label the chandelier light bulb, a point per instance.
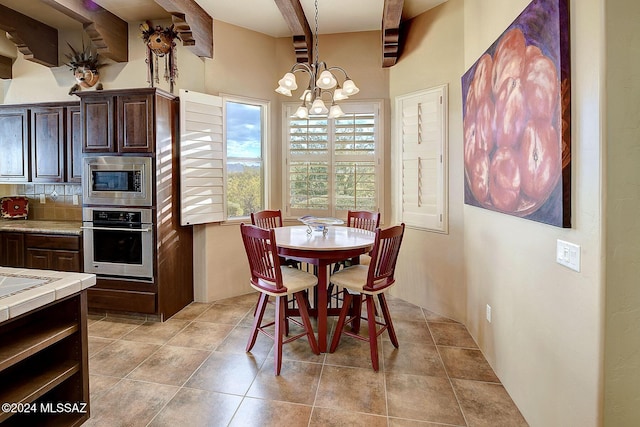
(318, 107)
(326, 80)
(283, 91)
(302, 112)
(306, 96)
(350, 88)
(335, 111)
(339, 95)
(288, 81)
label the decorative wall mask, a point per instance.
(84, 65)
(160, 44)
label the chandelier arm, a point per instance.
(301, 66)
(335, 67)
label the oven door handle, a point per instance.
(133, 230)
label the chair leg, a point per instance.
(387, 320)
(257, 319)
(280, 320)
(373, 336)
(356, 311)
(346, 301)
(304, 315)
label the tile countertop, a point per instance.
(23, 290)
(35, 226)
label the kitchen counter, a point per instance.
(44, 227)
(23, 290)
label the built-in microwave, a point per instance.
(117, 181)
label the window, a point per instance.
(332, 166)
(222, 162)
(245, 132)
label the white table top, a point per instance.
(25, 289)
(337, 238)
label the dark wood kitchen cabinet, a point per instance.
(96, 115)
(47, 144)
(53, 252)
(40, 143)
(14, 144)
(44, 362)
(12, 252)
(74, 144)
(144, 122)
(62, 252)
(119, 121)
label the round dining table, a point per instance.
(337, 243)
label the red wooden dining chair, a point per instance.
(272, 219)
(267, 218)
(365, 220)
(273, 280)
(370, 281)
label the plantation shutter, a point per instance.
(202, 159)
(422, 137)
(355, 163)
(333, 165)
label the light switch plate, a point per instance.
(568, 254)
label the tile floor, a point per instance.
(192, 370)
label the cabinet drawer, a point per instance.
(52, 241)
(120, 300)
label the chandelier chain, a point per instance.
(316, 33)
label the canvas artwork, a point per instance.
(517, 115)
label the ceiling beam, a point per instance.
(108, 33)
(193, 23)
(293, 14)
(391, 31)
(38, 42)
(5, 67)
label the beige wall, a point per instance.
(622, 344)
(545, 341)
(430, 269)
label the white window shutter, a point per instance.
(421, 127)
(202, 159)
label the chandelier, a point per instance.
(323, 84)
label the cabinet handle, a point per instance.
(132, 230)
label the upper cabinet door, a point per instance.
(47, 144)
(97, 120)
(74, 144)
(135, 123)
(14, 145)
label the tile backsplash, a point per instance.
(58, 199)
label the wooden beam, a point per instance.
(391, 31)
(293, 14)
(108, 33)
(5, 67)
(38, 42)
(193, 23)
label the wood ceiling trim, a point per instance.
(5, 67)
(193, 23)
(108, 33)
(293, 14)
(391, 31)
(38, 42)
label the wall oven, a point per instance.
(118, 242)
(117, 181)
